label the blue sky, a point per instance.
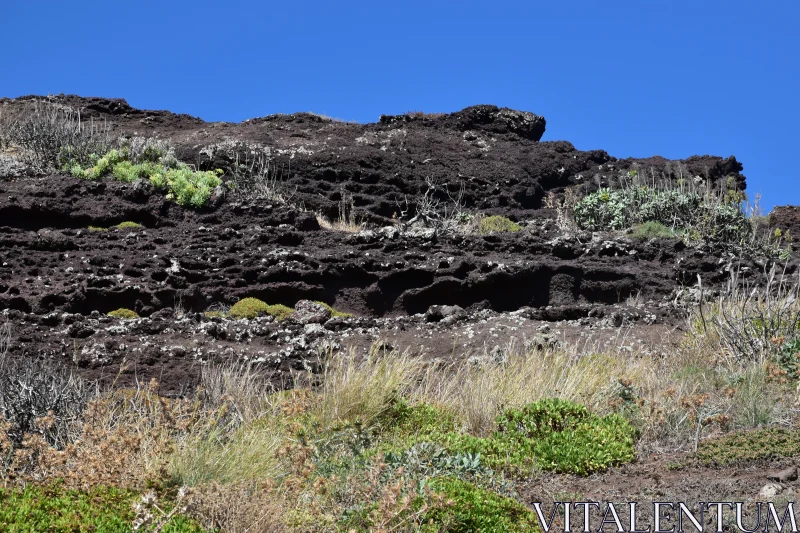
(634, 78)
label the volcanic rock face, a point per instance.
(63, 259)
(490, 158)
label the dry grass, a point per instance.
(361, 390)
(477, 394)
(259, 460)
(750, 322)
(346, 221)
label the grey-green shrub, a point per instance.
(651, 230)
(693, 215)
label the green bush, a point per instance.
(123, 313)
(697, 217)
(496, 223)
(128, 225)
(789, 357)
(186, 186)
(651, 230)
(476, 510)
(253, 307)
(155, 161)
(55, 509)
(564, 437)
(553, 434)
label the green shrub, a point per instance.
(553, 434)
(186, 186)
(789, 357)
(253, 307)
(476, 510)
(96, 228)
(128, 225)
(155, 161)
(496, 223)
(651, 230)
(55, 509)
(698, 217)
(762, 443)
(564, 437)
(123, 313)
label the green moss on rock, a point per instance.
(253, 307)
(123, 313)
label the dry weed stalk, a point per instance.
(565, 221)
(746, 319)
(50, 135)
(346, 221)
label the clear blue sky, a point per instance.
(635, 78)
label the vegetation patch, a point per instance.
(698, 216)
(552, 434)
(123, 313)
(253, 307)
(128, 225)
(53, 508)
(651, 230)
(497, 224)
(96, 228)
(151, 160)
(762, 443)
(473, 509)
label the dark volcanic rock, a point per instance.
(58, 279)
(786, 218)
(489, 157)
(308, 312)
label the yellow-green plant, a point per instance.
(253, 307)
(156, 162)
(123, 313)
(128, 225)
(497, 224)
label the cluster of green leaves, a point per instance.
(696, 216)
(476, 509)
(788, 357)
(53, 508)
(253, 307)
(551, 434)
(762, 443)
(497, 224)
(153, 161)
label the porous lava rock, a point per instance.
(64, 263)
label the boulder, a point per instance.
(308, 312)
